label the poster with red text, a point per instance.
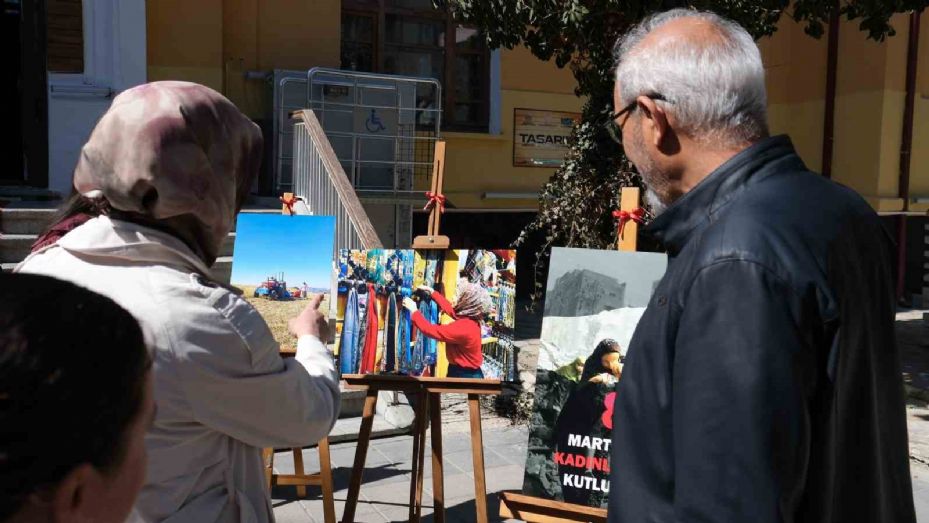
(593, 302)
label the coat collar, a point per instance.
(103, 237)
(674, 226)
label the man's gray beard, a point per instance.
(654, 202)
(651, 178)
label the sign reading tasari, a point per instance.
(540, 138)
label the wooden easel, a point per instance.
(299, 478)
(432, 239)
(429, 392)
(539, 510)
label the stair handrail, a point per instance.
(320, 181)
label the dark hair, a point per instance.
(72, 379)
(594, 363)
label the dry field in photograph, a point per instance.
(277, 314)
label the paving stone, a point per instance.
(294, 512)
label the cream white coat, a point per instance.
(221, 388)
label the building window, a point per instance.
(65, 19)
(412, 38)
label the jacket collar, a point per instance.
(103, 237)
(674, 226)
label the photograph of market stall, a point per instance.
(434, 313)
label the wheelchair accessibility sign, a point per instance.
(374, 124)
(374, 121)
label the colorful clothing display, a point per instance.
(390, 335)
(369, 351)
(349, 338)
(377, 334)
(404, 338)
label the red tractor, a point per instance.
(273, 289)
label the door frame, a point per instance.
(33, 95)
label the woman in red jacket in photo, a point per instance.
(462, 337)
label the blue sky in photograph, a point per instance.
(299, 246)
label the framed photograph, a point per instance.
(460, 312)
(593, 302)
(278, 262)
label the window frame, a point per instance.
(379, 10)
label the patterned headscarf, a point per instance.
(177, 155)
(473, 301)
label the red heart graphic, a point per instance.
(607, 417)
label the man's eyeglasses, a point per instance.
(615, 129)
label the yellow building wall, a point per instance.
(215, 42)
(185, 41)
(870, 91)
(478, 163)
(521, 71)
(919, 159)
(795, 67)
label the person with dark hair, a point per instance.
(603, 365)
(75, 402)
(582, 415)
(159, 184)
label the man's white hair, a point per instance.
(715, 89)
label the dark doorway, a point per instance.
(11, 147)
(24, 149)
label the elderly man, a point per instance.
(763, 382)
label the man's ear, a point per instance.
(70, 498)
(654, 120)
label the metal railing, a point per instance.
(320, 181)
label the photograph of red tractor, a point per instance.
(275, 288)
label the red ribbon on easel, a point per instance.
(435, 200)
(289, 203)
(636, 215)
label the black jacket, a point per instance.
(763, 381)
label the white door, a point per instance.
(114, 60)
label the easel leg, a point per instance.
(325, 471)
(267, 457)
(419, 448)
(415, 465)
(424, 415)
(298, 470)
(438, 482)
(361, 453)
(477, 453)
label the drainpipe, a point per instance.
(906, 146)
(832, 59)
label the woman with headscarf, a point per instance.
(158, 186)
(582, 414)
(462, 337)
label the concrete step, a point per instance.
(24, 220)
(15, 247)
(34, 218)
(19, 193)
(222, 269)
(347, 429)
